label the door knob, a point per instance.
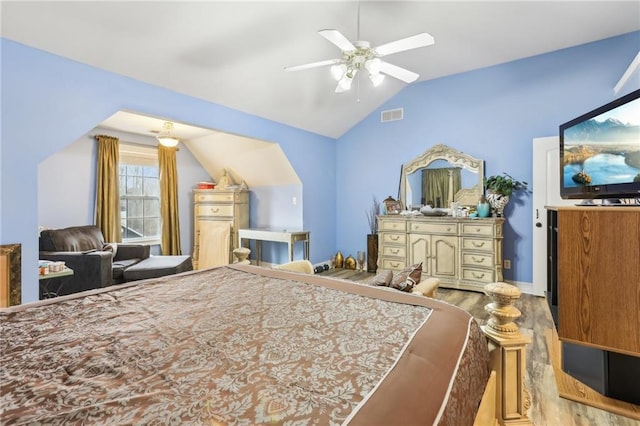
(538, 225)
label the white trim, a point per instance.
(138, 154)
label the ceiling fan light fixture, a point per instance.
(337, 71)
(373, 65)
(344, 84)
(167, 139)
(376, 79)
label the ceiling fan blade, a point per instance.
(313, 65)
(336, 37)
(413, 42)
(397, 72)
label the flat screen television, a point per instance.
(600, 152)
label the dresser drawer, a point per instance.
(479, 275)
(393, 238)
(483, 229)
(393, 264)
(477, 259)
(224, 197)
(214, 210)
(434, 228)
(477, 244)
(392, 225)
(398, 251)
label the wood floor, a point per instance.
(547, 408)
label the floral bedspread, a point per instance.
(239, 345)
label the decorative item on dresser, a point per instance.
(463, 253)
(218, 214)
(500, 189)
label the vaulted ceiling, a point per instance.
(233, 53)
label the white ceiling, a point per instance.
(233, 53)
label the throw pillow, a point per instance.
(112, 247)
(407, 278)
(383, 278)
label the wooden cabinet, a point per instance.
(598, 284)
(463, 253)
(222, 206)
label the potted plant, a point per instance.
(500, 188)
(372, 238)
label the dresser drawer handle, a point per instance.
(478, 244)
(394, 225)
(448, 229)
(475, 259)
(394, 264)
(478, 229)
(214, 210)
(477, 275)
(394, 237)
(396, 251)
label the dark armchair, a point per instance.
(95, 263)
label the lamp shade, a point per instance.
(168, 141)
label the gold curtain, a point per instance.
(439, 186)
(107, 189)
(169, 200)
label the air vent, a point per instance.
(392, 115)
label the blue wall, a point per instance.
(48, 102)
(493, 113)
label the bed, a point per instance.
(241, 345)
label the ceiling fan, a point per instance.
(359, 55)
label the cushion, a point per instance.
(120, 265)
(383, 278)
(76, 238)
(158, 266)
(303, 266)
(407, 278)
(427, 288)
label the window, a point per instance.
(139, 193)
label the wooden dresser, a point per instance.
(220, 205)
(463, 253)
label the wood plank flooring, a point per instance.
(547, 407)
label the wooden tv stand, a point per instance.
(598, 281)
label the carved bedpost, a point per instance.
(508, 354)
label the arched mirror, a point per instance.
(440, 176)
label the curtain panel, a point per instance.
(169, 200)
(107, 189)
(439, 186)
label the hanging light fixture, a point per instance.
(166, 139)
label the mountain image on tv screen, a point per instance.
(604, 149)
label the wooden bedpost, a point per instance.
(507, 353)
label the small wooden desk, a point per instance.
(288, 236)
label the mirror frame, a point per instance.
(465, 196)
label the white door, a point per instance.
(546, 192)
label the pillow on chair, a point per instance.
(407, 278)
(383, 278)
(302, 266)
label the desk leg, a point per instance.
(290, 244)
(306, 249)
(258, 252)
